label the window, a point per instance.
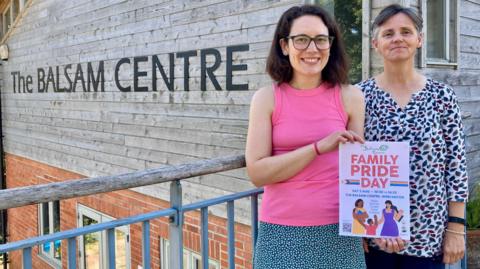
(441, 31)
(9, 14)
(191, 260)
(6, 20)
(93, 247)
(49, 222)
(348, 14)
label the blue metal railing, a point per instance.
(175, 213)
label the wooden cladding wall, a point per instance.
(110, 132)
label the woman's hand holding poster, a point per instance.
(374, 189)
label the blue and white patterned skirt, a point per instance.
(310, 247)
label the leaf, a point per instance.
(473, 209)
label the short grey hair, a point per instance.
(393, 10)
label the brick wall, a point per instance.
(119, 204)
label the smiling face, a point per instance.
(307, 64)
(397, 39)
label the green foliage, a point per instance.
(348, 14)
(473, 209)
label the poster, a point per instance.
(374, 189)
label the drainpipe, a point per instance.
(3, 185)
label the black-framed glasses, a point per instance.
(301, 42)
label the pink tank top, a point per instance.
(301, 117)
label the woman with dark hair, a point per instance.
(359, 216)
(295, 127)
(390, 216)
(404, 105)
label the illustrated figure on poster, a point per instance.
(372, 225)
(396, 210)
(390, 216)
(359, 215)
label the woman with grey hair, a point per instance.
(404, 105)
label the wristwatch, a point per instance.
(457, 220)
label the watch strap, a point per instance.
(457, 220)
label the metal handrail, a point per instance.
(27, 244)
(142, 178)
(31, 242)
(71, 189)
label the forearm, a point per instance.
(454, 238)
(273, 169)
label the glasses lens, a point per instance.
(322, 42)
(301, 42)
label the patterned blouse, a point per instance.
(432, 123)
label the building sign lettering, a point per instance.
(92, 78)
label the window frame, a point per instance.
(101, 217)
(190, 254)
(48, 257)
(5, 24)
(5, 31)
(197, 256)
(452, 48)
(366, 41)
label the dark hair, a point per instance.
(369, 220)
(358, 201)
(395, 208)
(388, 202)
(393, 10)
(278, 65)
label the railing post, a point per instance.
(146, 244)
(176, 226)
(231, 234)
(72, 253)
(27, 258)
(254, 219)
(204, 236)
(111, 248)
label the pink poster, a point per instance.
(374, 189)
